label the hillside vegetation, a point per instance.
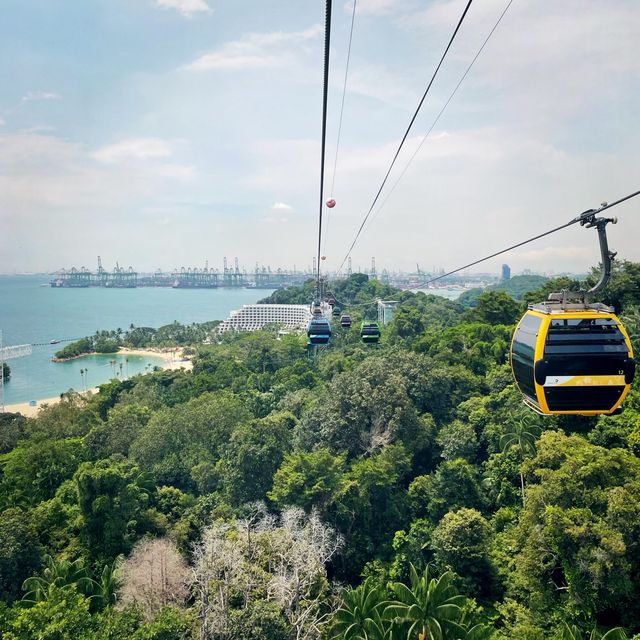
(389, 492)
(516, 287)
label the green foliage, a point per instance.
(360, 616)
(387, 463)
(262, 620)
(555, 285)
(13, 427)
(623, 290)
(583, 506)
(307, 480)
(19, 551)
(75, 349)
(496, 307)
(170, 624)
(113, 498)
(461, 542)
(454, 484)
(458, 440)
(476, 345)
(254, 453)
(6, 372)
(63, 615)
(57, 574)
(571, 632)
(362, 410)
(176, 441)
(430, 607)
(33, 471)
(516, 287)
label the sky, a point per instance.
(167, 133)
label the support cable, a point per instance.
(344, 93)
(406, 133)
(327, 42)
(446, 104)
(583, 216)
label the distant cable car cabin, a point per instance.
(370, 332)
(319, 330)
(572, 357)
(345, 322)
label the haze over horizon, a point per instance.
(161, 133)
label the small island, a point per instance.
(148, 339)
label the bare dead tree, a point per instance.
(154, 575)
(279, 560)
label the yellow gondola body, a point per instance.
(569, 361)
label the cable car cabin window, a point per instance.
(522, 353)
(583, 347)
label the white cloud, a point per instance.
(257, 51)
(134, 148)
(554, 254)
(32, 96)
(545, 62)
(185, 7)
(378, 82)
(281, 206)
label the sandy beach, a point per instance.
(173, 359)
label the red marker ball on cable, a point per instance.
(323, 257)
(331, 203)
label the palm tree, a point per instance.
(57, 573)
(104, 590)
(359, 617)
(523, 436)
(571, 632)
(429, 607)
(477, 632)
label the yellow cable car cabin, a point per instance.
(572, 361)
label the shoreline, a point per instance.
(173, 361)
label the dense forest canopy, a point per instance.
(382, 492)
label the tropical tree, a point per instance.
(522, 436)
(104, 589)
(359, 617)
(571, 632)
(429, 608)
(58, 574)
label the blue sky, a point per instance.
(169, 132)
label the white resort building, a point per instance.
(253, 317)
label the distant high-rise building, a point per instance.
(506, 272)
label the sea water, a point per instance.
(32, 312)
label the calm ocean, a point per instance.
(32, 312)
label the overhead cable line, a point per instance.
(327, 42)
(406, 133)
(583, 216)
(446, 104)
(344, 93)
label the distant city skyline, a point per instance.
(189, 129)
